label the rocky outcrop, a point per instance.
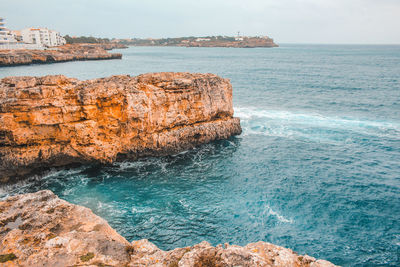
(209, 41)
(72, 52)
(111, 46)
(55, 121)
(246, 42)
(40, 229)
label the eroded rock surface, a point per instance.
(70, 52)
(39, 229)
(54, 120)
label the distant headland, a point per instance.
(208, 41)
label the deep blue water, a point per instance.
(317, 168)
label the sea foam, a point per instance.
(312, 126)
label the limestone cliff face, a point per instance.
(55, 120)
(71, 52)
(40, 229)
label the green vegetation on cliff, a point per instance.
(207, 41)
(86, 39)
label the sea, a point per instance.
(316, 169)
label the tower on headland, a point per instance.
(238, 38)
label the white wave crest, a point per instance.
(311, 126)
(280, 218)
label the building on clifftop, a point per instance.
(42, 37)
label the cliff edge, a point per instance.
(55, 121)
(40, 229)
(69, 52)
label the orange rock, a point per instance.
(39, 229)
(55, 121)
(59, 54)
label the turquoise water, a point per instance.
(316, 168)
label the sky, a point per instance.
(287, 21)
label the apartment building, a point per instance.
(42, 36)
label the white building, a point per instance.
(42, 37)
(203, 39)
(6, 38)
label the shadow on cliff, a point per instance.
(166, 168)
(198, 159)
(138, 169)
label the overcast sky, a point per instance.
(287, 21)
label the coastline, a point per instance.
(64, 234)
(66, 119)
(319, 124)
(65, 53)
(210, 41)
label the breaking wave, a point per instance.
(314, 127)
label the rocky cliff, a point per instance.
(209, 41)
(55, 121)
(111, 46)
(246, 42)
(40, 229)
(72, 52)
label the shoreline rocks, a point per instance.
(39, 229)
(54, 121)
(70, 52)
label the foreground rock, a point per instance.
(55, 121)
(40, 229)
(72, 52)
